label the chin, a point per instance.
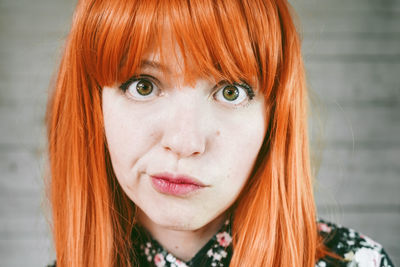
(181, 222)
(178, 221)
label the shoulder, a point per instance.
(357, 249)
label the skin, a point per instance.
(182, 129)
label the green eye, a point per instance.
(230, 92)
(140, 88)
(144, 87)
(233, 94)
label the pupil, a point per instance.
(144, 87)
(230, 92)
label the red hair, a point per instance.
(274, 217)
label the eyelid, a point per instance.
(249, 89)
(125, 85)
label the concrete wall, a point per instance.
(352, 56)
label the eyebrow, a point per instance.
(154, 65)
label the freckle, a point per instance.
(218, 133)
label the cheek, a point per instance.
(238, 146)
(240, 139)
(128, 136)
(127, 139)
(238, 164)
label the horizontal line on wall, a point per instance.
(361, 145)
(360, 208)
(311, 36)
(388, 104)
(21, 147)
(351, 58)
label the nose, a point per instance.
(183, 133)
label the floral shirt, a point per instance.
(357, 249)
(217, 251)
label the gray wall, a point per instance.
(352, 56)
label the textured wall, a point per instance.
(31, 33)
(352, 55)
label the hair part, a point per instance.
(275, 215)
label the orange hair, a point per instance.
(274, 217)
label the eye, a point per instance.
(140, 88)
(234, 94)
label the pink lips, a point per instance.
(177, 185)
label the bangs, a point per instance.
(228, 40)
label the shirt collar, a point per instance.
(217, 251)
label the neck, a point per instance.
(183, 244)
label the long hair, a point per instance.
(274, 219)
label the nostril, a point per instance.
(180, 153)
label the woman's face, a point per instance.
(182, 153)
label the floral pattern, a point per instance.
(224, 239)
(356, 249)
(217, 252)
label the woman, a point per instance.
(178, 137)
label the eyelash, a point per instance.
(124, 86)
(249, 91)
(220, 85)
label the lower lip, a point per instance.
(167, 187)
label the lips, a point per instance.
(178, 185)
